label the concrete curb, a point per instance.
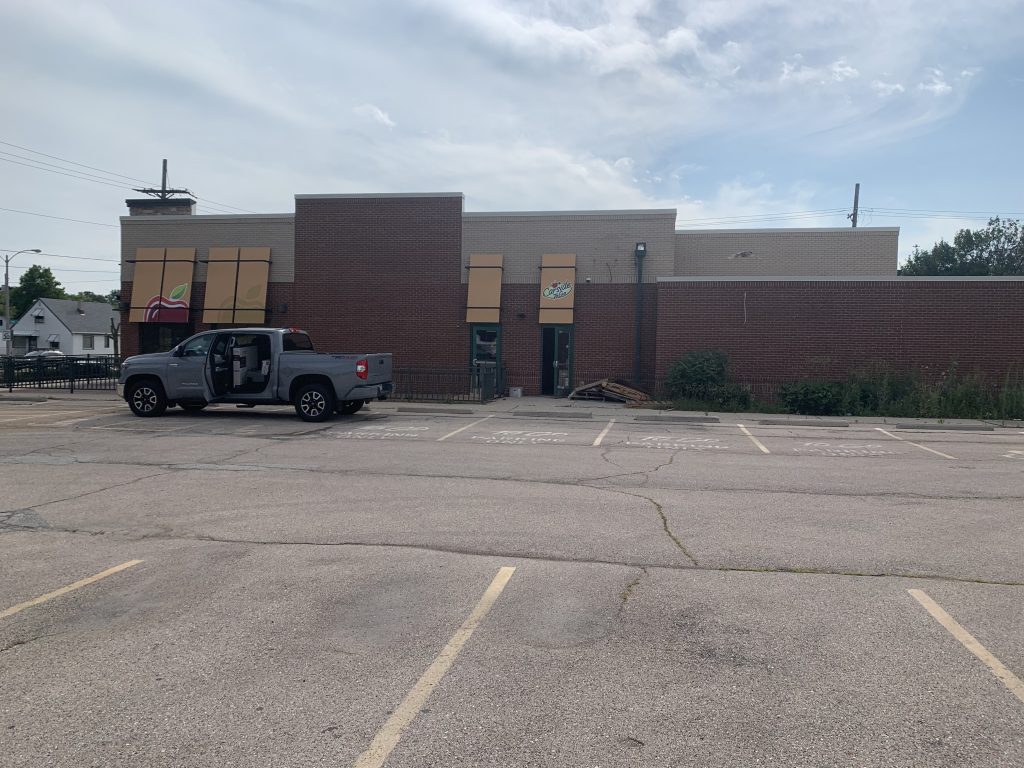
(801, 423)
(947, 427)
(678, 419)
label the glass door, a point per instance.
(485, 359)
(556, 360)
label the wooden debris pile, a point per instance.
(610, 389)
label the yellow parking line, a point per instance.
(387, 737)
(463, 429)
(757, 442)
(995, 666)
(916, 445)
(69, 588)
(604, 433)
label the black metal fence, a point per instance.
(478, 384)
(71, 372)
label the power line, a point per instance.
(38, 163)
(60, 218)
(72, 162)
(62, 256)
(69, 175)
(85, 177)
(770, 216)
(930, 210)
(69, 269)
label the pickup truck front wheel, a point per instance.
(314, 402)
(146, 398)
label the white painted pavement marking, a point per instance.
(756, 442)
(521, 437)
(463, 429)
(604, 433)
(1014, 455)
(843, 449)
(679, 443)
(380, 432)
(391, 732)
(40, 415)
(969, 642)
(916, 445)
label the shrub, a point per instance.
(814, 398)
(698, 375)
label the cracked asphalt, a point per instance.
(680, 597)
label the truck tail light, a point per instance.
(362, 367)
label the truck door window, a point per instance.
(197, 347)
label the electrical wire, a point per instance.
(60, 218)
(62, 256)
(66, 269)
(92, 177)
(72, 162)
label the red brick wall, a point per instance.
(382, 275)
(603, 333)
(825, 329)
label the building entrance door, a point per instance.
(556, 360)
(485, 353)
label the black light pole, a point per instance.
(7, 296)
(639, 253)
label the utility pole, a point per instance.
(163, 193)
(7, 297)
(856, 204)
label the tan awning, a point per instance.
(557, 288)
(236, 285)
(162, 285)
(483, 297)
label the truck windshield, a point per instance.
(297, 342)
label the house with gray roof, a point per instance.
(73, 327)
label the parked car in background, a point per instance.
(37, 353)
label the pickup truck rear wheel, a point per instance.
(348, 407)
(146, 398)
(314, 402)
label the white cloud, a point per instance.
(518, 103)
(374, 113)
(887, 89)
(936, 84)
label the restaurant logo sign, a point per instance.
(557, 290)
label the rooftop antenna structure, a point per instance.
(163, 193)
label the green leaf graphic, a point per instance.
(178, 292)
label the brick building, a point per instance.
(553, 298)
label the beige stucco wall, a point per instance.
(849, 252)
(204, 232)
(603, 241)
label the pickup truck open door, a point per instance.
(186, 370)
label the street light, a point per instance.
(7, 296)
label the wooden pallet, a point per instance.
(610, 389)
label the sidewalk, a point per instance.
(596, 410)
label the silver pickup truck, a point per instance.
(254, 366)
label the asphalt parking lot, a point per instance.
(417, 587)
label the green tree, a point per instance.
(998, 249)
(35, 283)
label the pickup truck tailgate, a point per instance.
(378, 367)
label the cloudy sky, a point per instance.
(735, 112)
